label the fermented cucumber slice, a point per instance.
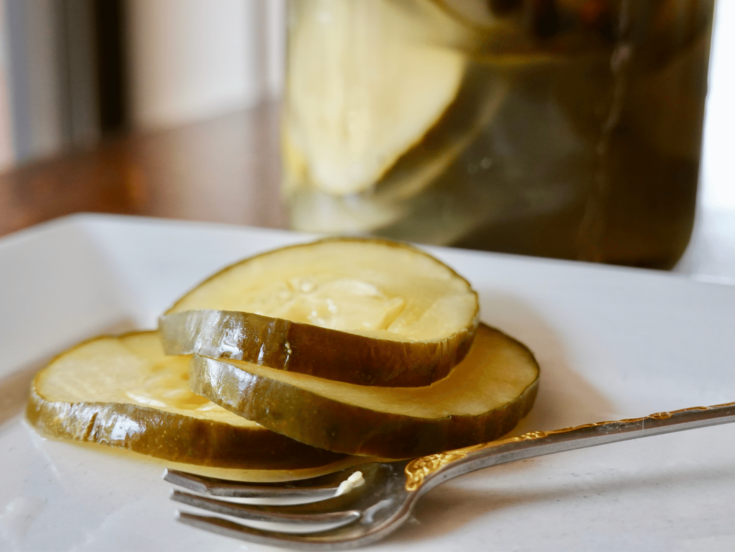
(483, 398)
(361, 91)
(362, 311)
(124, 392)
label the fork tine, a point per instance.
(302, 514)
(227, 528)
(316, 488)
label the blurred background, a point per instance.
(73, 71)
(170, 108)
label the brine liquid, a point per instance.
(574, 130)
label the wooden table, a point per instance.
(226, 170)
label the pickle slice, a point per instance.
(483, 398)
(362, 311)
(124, 392)
(360, 91)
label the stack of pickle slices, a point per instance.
(297, 362)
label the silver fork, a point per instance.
(391, 489)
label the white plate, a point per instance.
(612, 343)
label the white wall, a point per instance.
(193, 59)
(718, 165)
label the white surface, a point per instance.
(612, 343)
(710, 256)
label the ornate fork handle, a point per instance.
(428, 471)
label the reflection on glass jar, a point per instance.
(560, 128)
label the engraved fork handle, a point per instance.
(427, 472)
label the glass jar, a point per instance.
(558, 128)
